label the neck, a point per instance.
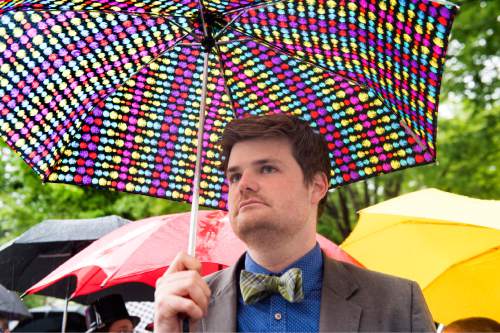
(278, 256)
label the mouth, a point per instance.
(249, 203)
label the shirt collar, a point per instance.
(311, 265)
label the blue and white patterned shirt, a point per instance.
(274, 313)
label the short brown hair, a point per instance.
(473, 324)
(309, 148)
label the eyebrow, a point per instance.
(255, 163)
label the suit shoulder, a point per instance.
(394, 303)
(369, 278)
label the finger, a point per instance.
(185, 288)
(188, 278)
(186, 284)
(186, 306)
(183, 262)
(197, 295)
(166, 300)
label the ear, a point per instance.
(319, 187)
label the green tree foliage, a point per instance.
(473, 64)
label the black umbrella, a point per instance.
(49, 319)
(42, 248)
(11, 306)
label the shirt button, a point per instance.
(277, 316)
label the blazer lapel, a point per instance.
(337, 313)
(223, 302)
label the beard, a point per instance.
(260, 234)
(261, 231)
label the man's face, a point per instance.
(121, 326)
(268, 199)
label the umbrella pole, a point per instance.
(65, 313)
(197, 171)
(193, 221)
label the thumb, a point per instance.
(184, 262)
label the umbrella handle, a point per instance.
(185, 325)
(65, 314)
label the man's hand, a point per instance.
(181, 291)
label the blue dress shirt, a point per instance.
(274, 313)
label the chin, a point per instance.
(253, 228)
(250, 216)
(258, 236)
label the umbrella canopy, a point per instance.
(448, 243)
(45, 246)
(129, 95)
(11, 306)
(141, 251)
(49, 319)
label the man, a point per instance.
(278, 173)
(109, 314)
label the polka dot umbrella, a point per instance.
(133, 95)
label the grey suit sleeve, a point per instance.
(421, 318)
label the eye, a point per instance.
(268, 169)
(234, 178)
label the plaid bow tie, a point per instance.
(255, 287)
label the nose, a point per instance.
(248, 182)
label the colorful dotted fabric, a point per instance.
(107, 93)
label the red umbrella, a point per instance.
(141, 251)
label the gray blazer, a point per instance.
(352, 300)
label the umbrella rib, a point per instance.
(256, 6)
(168, 17)
(176, 43)
(414, 217)
(45, 176)
(235, 40)
(110, 91)
(191, 33)
(410, 221)
(413, 135)
(456, 264)
(241, 11)
(108, 277)
(201, 10)
(299, 59)
(311, 63)
(226, 86)
(190, 44)
(445, 2)
(84, 282)
(218, 34)
(126, 12)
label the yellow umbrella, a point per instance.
(448, 243)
